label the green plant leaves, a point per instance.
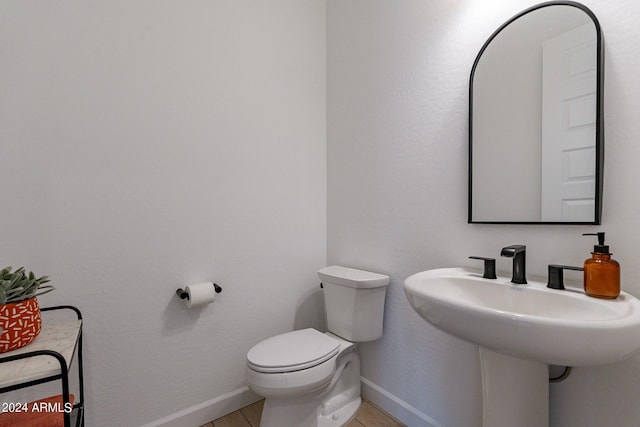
(19, 285)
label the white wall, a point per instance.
(397, 192)
(149, 144)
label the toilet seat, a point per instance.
(294, 363)
(292, 351)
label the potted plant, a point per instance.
(20, 320)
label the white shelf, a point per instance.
(60, 337)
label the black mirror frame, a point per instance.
(599, 116)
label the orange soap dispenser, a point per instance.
(601, 273)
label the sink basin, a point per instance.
(532, 322)
(520, 330)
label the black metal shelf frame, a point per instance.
(63, 376)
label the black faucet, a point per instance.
(489, 267)
(556, 281)
(518, 253)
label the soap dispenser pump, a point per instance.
(601, 273)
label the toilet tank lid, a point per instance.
(352, 277)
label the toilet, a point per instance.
(310, 378)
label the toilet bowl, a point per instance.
(310, 378)
(317, 377)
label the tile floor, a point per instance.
(368, 415)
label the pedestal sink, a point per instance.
(520, 331)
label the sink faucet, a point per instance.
(518, 253)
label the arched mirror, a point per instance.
(535, 119)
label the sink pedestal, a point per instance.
(515, 392)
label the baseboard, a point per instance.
(204, 412)
(222, 405)
(395, 406)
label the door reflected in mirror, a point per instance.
(535, 115)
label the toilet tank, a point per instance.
(354, 302)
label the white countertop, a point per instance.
(60, 337)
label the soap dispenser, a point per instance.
(601, 273)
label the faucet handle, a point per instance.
(489, 267)
(556, 280)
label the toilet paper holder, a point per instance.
(184, 295)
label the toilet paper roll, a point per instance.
(200, 294)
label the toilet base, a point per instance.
(331, 406)
(340, 417)
(305, 414)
